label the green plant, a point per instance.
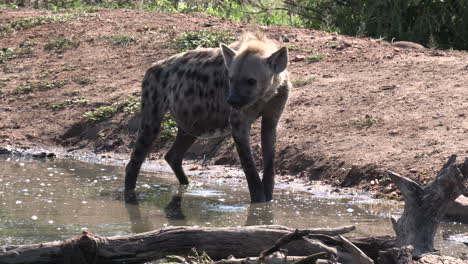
(132, 105)
(101, 113)
(6, 54)
(366, 122)
(299, 48)
(168, 128)
(3, 82)
(27, 44)
(152, 28)
(314, 58)
(43, 85)
(69, 102)
(60, 44)
(303, 81)
(72, 93)
(202, 38)
(121, 40)
(84, 80)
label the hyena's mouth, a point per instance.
(238, 102)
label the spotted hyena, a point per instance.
(216, 91)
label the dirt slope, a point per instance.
(359, 106)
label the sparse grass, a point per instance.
(101, 113)
(366, 122)
(314, 58)
(84, 80)
(29, 22)
(299, 82)
(121, 40)
(7, 54)
(69, 102)
(202, 38)
(152, 28)
(3, 83)
(43, 85)
(298, 48)
(71, 94)
(106, 89)
(60, 44)
(131, 105)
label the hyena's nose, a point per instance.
(235, 101)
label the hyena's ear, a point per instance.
(228, 55)
(278, 61)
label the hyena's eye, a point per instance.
(251, 81)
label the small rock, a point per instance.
(41, 155)
(298, 58)
(393, 132)
(388, 87)
(389, 188)
(413, 170)
(437, 53)
(346, 44)
(4, 151)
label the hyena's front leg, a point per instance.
(270, 118)
(241, 134)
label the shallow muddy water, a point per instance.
(42, 201)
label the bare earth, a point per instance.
(364, 107)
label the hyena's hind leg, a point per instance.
(176, 154)
(150, 126)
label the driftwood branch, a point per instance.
(425, 206)
(218, 243)
(358, 255)
(353, 253)
(283, 241)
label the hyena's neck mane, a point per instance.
(254, 43)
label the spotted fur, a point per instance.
(210, 92)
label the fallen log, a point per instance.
(218, 243)
(425, 206)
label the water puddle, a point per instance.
(43, 201)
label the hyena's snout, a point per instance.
(237, 99)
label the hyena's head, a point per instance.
(254, 71)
